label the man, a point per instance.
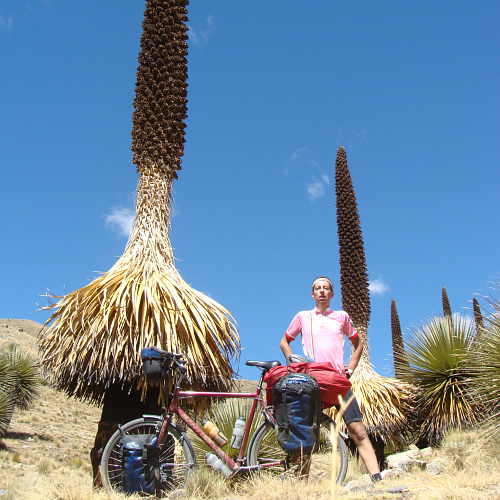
(323, 333)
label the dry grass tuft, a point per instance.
(97, 332)
(70, 486)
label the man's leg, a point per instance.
(360, 437)
(353, 419)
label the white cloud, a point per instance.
(209, 28)
(193, 36)
(204, 34)
(120, 220)
(6, 23)
(303, 168)
(317, 189)
(378, 287)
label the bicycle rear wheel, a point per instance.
(177, 459)
(264, 450)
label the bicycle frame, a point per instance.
(236, 466)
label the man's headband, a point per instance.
(322, 278)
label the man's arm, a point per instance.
(285, 346)
(356, 355)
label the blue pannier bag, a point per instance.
(297, 412)
(140, 463)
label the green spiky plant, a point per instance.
(485, 369)
(7, 405)
(19, 383)
(92, 348)
(398, 349)
(437, 352)
(383, 401)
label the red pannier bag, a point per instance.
(331, 382)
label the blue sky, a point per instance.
(410, 89)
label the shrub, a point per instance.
(19, 383)
(484, 370)
(437, 352)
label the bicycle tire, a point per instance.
(177, 459)
(264, 448)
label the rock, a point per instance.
(405, 460)
(362, 484)
(434, 468)
(393, 473)
(413, 453)
(413, 447)
(20, 329)
(426, 453)
(398, 489)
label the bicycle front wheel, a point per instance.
(264, 451)
(177, 459)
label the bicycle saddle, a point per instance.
(264, 364)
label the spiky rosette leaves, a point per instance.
(446, 304)
(161, 89)
(484, 368)
(7, 401)
(98, 331)
(438, 353)
(19, 383)
(397, 341)
(353, 273)
(26, 385)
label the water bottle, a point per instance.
(217, 464)
(238, 432)
(214, 432)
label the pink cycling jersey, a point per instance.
(327, 340)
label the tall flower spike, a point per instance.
(398, 349)
(478, 317)
(384, 402)
(97, 332)
(446, 304)
(353, 273)
(161, 89)
(92, 347)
